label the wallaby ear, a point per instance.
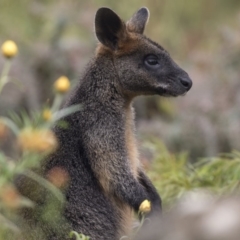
(109, 28)
(138, 21)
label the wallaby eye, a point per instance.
(152, 61)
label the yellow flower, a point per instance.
(9, 49)
(62, 84)
(37, 140)
(47, 115)
(145, 206)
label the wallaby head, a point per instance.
(142, 66)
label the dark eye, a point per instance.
(152, 61)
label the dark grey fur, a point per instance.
(96, 150)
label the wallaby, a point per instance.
(98, 149)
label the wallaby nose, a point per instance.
(186, 82)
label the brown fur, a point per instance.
(131, 143)
(129, 45)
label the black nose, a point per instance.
(186, 82)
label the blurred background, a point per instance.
(57, 38)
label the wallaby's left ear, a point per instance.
(110, 29)
(138, 21)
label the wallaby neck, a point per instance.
(101, 83)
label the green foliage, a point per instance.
(173, 175)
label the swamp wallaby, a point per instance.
(98, 149)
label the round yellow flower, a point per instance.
(145, 206)
(37, 140)
(62, 84)
(9, 49)
(47, 115)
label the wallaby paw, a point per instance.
(145, 206)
